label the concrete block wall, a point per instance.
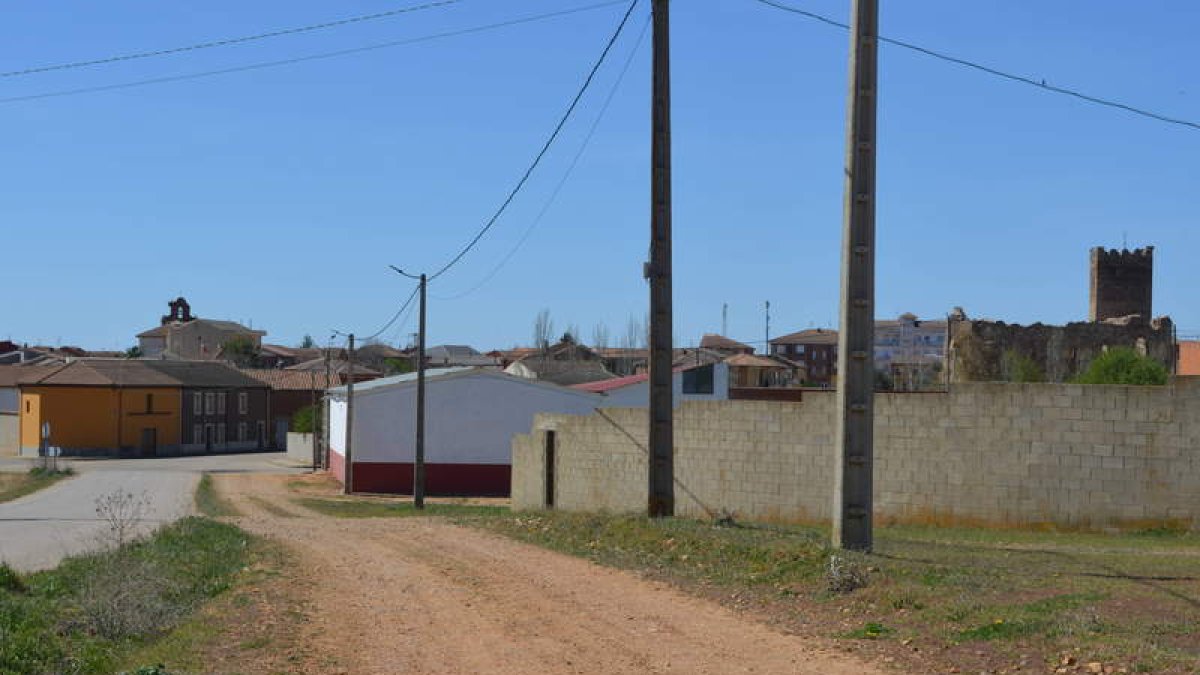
(1009, 454)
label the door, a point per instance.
(281, 431)
(149, 442)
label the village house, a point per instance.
(147, 408)
(565, 363)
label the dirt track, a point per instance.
(418, 595)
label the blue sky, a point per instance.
(281, 195)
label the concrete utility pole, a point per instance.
(852, 501)
(316, 453)
(325, 411)
(348, 488)
(767, 327)
(662, 442)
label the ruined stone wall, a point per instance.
(978, 348)
(1003, 454)
(1121, 283)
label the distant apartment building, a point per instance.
(909, 352)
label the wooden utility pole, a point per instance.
(419, 455)
(853, 468)
(348, 488)
(658, 272)
(419, 450)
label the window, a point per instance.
(210, 403)
(243, 403)
(799, 349)
(28, 407)
(220, 403)
(197, 404)
(149, 403)
(221, 433)
(197, 430)
(209, 434)
(698, 380)
(241, 432)
(261, 428)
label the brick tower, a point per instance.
(1121, 283)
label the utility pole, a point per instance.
(854, 465)
(419, 458)
(767, 327)
(325, 411)
(348, 488)
(658, 272)
(419, 450)
(725, 319)
(316, 454)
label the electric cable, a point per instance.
(1040, 84)
(311, 57)
(227, 41)
(545, 147)
(566, 175)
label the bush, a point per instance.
(130, 597)
(1122, 365)
(303, 420)
(10, 580)
(1017, 367)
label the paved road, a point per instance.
(38, 531)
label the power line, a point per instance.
(566, 175)
(1040, 84)
(312, 57)
(228, 41)
(390, 321)
(545, 147)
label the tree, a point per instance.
(302, 420)
(134, 352)
(308, 342)
(241, 351)
(573, 331)
(1122, 365)
(1017, 367)
(637, 333)
(543, 329)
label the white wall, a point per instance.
(10, 399)
(638, 395)
(337, 426)
(469, 419)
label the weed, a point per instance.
(9, 580)
(870, 631)
(1000, 629)
(845, 574)
(209, 503)
(122, 511)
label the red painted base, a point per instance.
(445, 480)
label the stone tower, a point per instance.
(1121, 283)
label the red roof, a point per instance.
(601, 386)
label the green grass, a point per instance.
(209, 503)
(1126, 598)
(17, 485)
(55, 621)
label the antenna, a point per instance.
(725, 318)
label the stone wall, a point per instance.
(999, 454)
(978, 349)
(1121, 283)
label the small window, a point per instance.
(210, 403)
(241, 432)
(197, 403)
(149, 403)
(221, 403)
(28, 407)
(243, 403)
(698, 380)
(197, 430)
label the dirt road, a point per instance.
(418, 595)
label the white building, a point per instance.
(471, 415)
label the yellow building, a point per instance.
(107, 406)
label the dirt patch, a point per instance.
(420, 595)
